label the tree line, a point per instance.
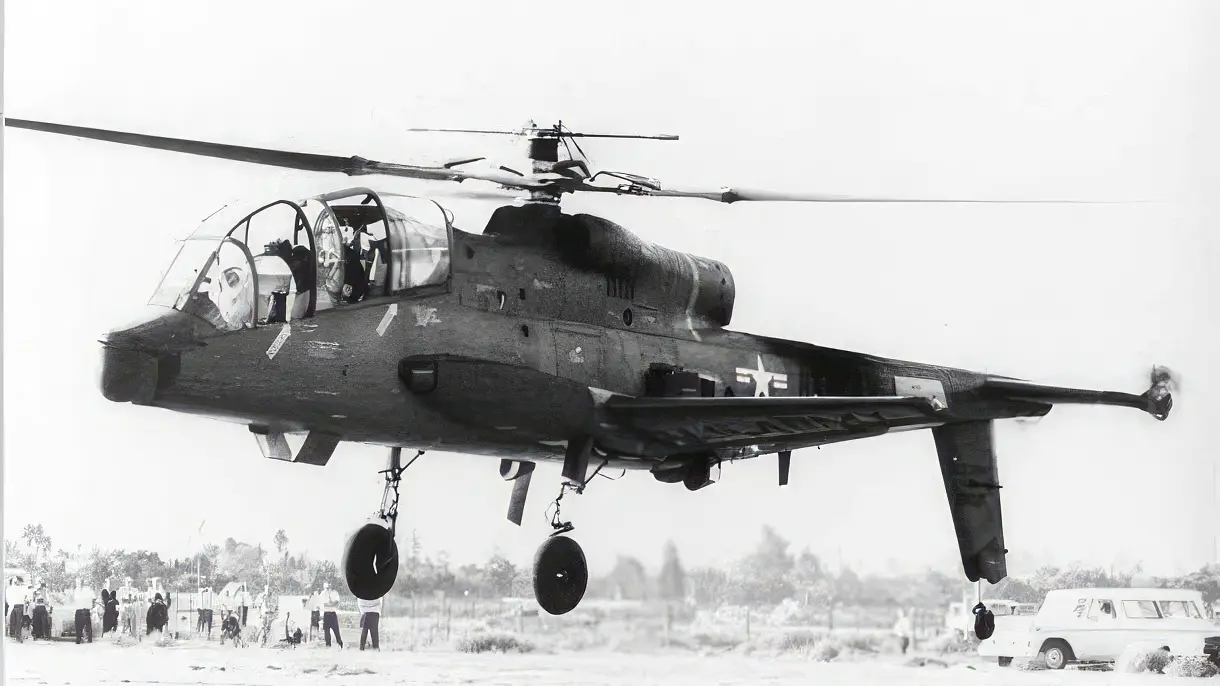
(769, 575)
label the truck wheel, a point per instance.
(1057, 653)
(1004, 661)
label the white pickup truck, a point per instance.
(1097, 624)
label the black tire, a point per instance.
(560, 575)
(1004, 661)
(1057, 653)
(370, 562)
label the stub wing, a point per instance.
(965, 448)
(773, 424)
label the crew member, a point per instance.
(370, 613)
(330, 618)
(15, 597)
(83, 600)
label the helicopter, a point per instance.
(367, 316)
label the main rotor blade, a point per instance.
(732, 195)
(351, 166)
(551, 132)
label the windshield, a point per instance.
(212, 279)
(179, 280)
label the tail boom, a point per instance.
(1156, 401)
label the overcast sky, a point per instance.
(1092, 100)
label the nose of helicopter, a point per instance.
(134, 356)
(128, 375)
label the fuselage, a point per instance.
(528, 318)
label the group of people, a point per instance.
(324, 620)
(27, 606)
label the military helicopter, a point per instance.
(368, 317)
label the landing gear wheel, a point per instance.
(560, 575)
(370, 562)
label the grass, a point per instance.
(602, 626)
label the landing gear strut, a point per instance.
(561, 573)
(370, 559)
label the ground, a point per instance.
(105, 662)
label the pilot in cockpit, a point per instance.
(355, 277)
(232, 296)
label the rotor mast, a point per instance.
(542, 148)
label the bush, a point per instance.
(824, 650)
(866, 643)
(1191, 666)
(950, 643)
(1137, 658)
(486, 642)
(715, 639)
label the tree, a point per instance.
(805, 574)
(1206, 581)
(37, 540)
(628, 579)
(500, 574)
(325, 571)
(671, 583)
(762, 575)
(281, 543)
(709, 586)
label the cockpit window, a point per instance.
(179, 280)
(224, 294)
(419, 242)
(263, 263)
(370, 245)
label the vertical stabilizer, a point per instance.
(966, 451)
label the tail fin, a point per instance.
(968, 465)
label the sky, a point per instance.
(1086, 100)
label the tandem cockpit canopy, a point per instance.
(253, 264)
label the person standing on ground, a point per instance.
(329, 599)
(243, 604)
(41, 620)
(83, 600)
(902, 629)
(16, 598)
(370, 613)
(315, 615)
(157, 617)
(206, 601)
